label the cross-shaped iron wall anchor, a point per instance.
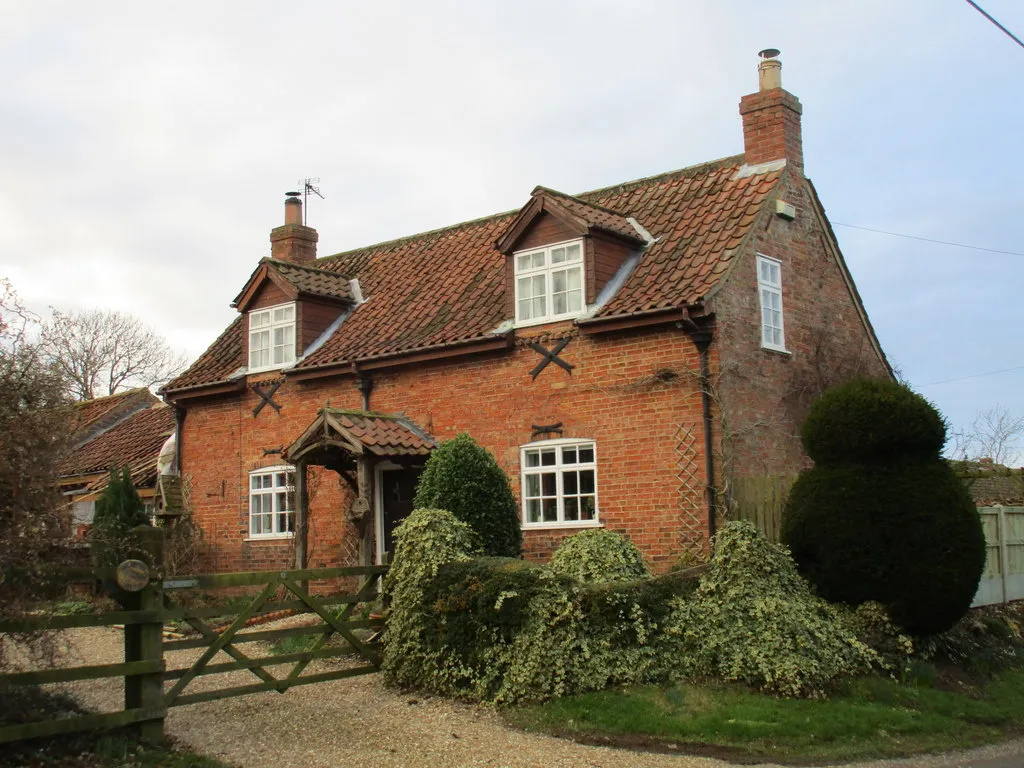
(550, 356)
(266, 395)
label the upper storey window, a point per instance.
(271, 337)
(549, 283)
(769, 286)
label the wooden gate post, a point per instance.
(144, 641)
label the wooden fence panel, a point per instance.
(760, 500)
(1003, 577)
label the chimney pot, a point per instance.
(292, 211)
(769, 74)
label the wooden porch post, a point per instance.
(301, 515)
(364, 479)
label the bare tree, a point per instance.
(33, 429)
(101, 351)
(994, 434)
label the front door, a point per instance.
(397, 491)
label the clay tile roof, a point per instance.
(447, 286)
(134, 441)
(216, 364)
(313, 281)
(384, 434)
(594, 215)
(92, 415)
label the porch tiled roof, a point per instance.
(448, 286)
(384, 435)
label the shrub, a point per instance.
(871, 421)
(504, 630)
(425, 540)
(905, 535)
(464, 478)
(598, 555)
(754, 620)
(882, 517)
(876, 629)
(118, 510)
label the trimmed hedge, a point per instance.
(504, 630)
(465, 479)
(598, 555)
(871, 421)
(907, 536)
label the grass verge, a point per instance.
(866, 718)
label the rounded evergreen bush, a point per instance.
(597, 556)
(465, 479)
(882, 517)
(871, 421)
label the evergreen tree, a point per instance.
(464, 478)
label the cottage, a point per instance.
(624, 353)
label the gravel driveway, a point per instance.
(357, 722)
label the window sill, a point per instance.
(270, 537)
(777, 350)
(548, 320)
(556, 526)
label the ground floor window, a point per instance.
(272, 501)
(559, 483)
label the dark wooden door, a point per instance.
(398, 488)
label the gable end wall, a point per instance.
(766, 394)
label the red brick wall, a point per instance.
(766, 393)
(615, 396)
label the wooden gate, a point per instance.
(280, 591)
(151, 686)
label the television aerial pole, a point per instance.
(309, 185)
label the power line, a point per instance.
(981, 10)
(928, 239)
(971, 376)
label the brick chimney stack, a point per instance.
(771, 118)
(293, 241)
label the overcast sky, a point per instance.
(146, 148)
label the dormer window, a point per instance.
(549, 283)
(271, 337)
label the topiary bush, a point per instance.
(871, 421)
(882, 517)
(753, 619)
(464, 478)
(597, 556)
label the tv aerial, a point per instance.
(308, 186)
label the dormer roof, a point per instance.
(578, 215)
(297, 281)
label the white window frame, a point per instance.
(545, 271)
(269, 327)
(559, 469)
(274, 492)
(770, 290)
